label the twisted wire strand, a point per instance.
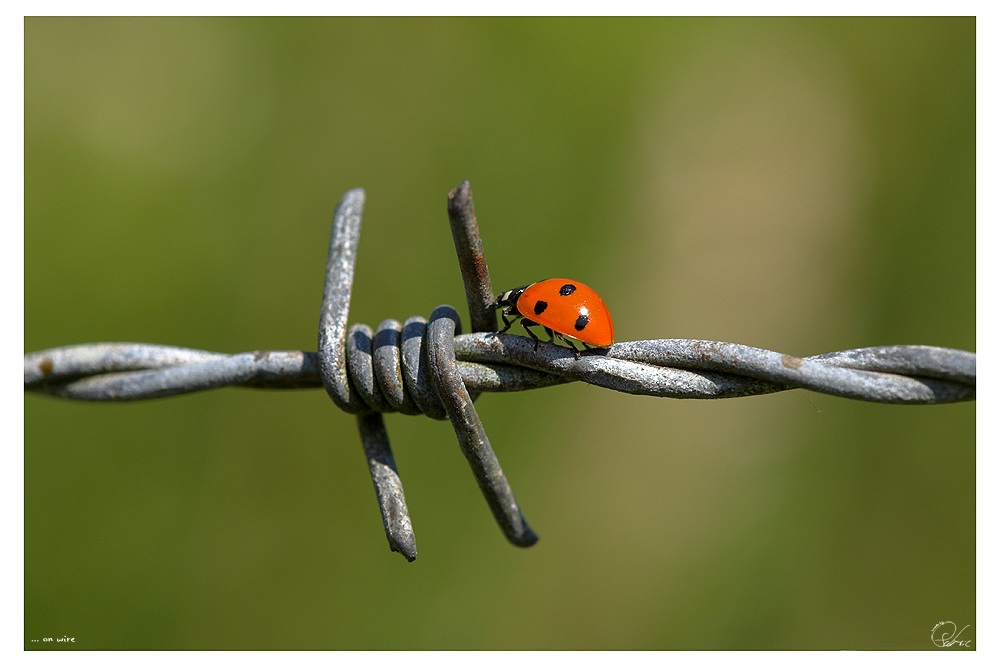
(674, 368)
(426, 366)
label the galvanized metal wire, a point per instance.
(426, 366)
(673, 368)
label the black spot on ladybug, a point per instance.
(540, 306)
(567, 289)
(581, 322)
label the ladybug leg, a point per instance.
(525, 322)
(507, 323)
(552, 339)
(569, 341)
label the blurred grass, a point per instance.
(804, 185)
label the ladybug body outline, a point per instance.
(566, 309)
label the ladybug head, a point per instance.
(509, 298)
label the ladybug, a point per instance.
(565, 308)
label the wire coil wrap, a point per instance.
(389, 370)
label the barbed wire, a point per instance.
(426, 366)
(674, 368)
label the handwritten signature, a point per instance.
(946, 634)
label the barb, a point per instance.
(427, 367)
(471, 260)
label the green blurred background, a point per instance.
(804, 185)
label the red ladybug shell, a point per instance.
(570, 308)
